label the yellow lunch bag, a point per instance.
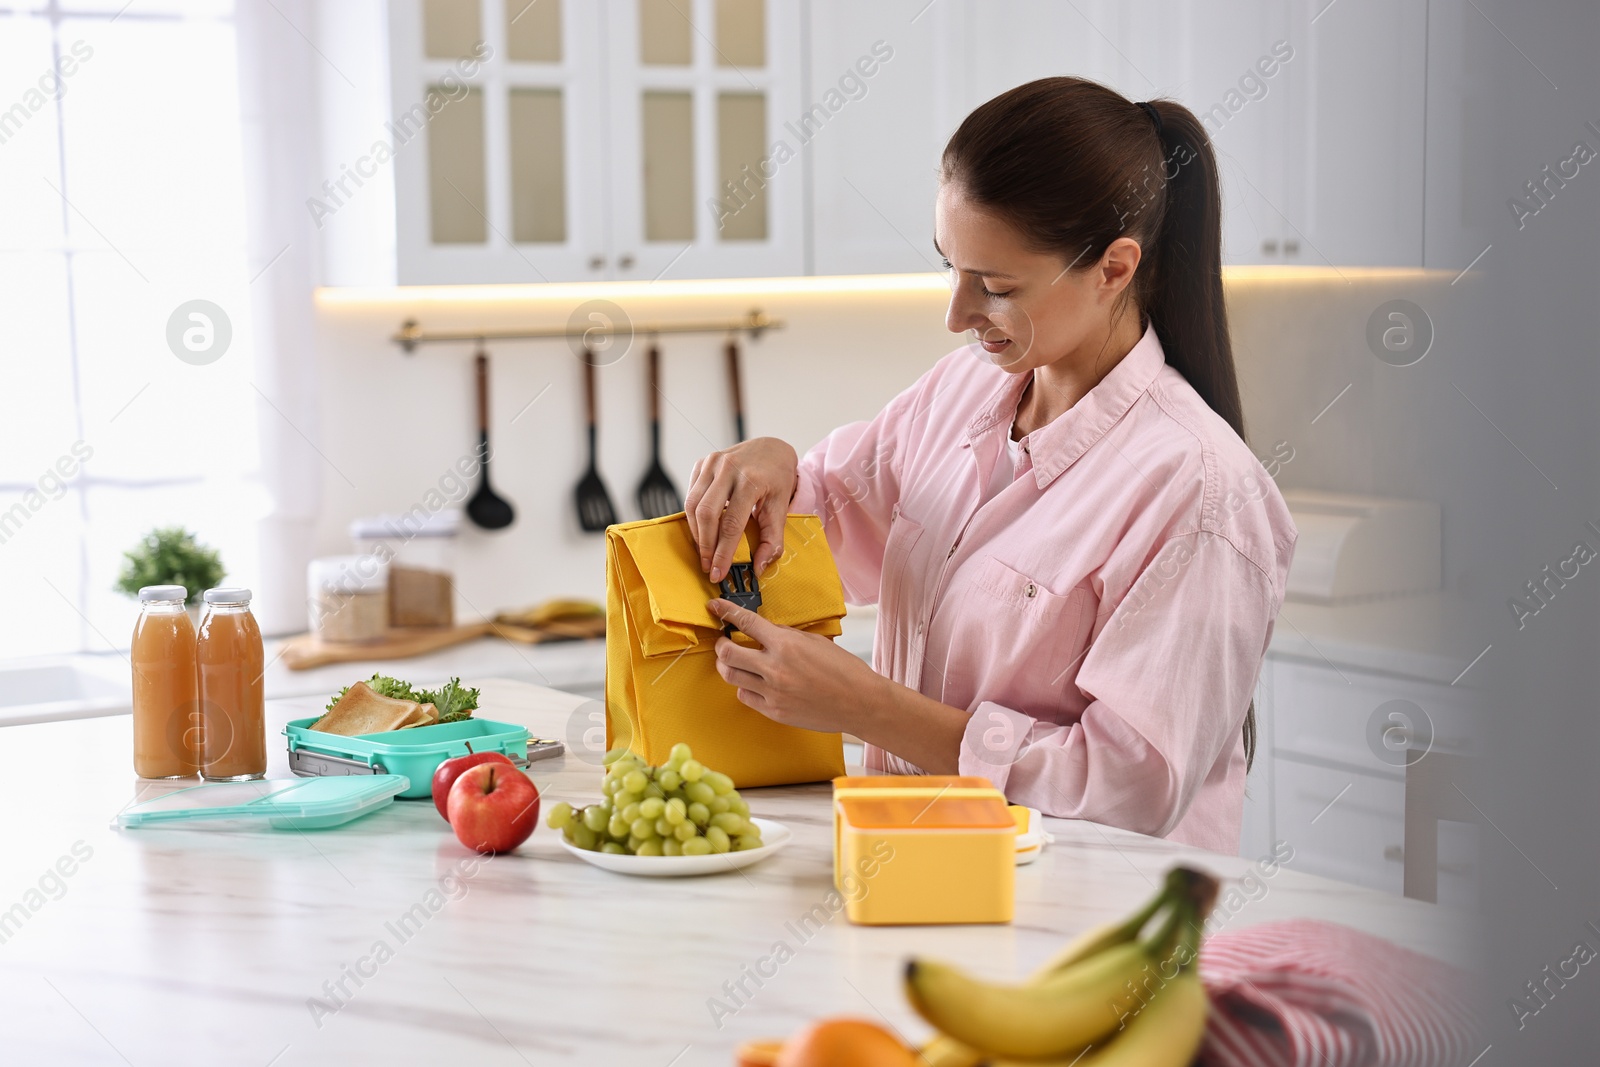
(662, 684)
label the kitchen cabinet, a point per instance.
(1315, 111)
(617, 139)
(1321, 785)
(875, 163)
(631, 139)
(1358, 133)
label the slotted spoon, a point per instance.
(595, 512)
(657, 495)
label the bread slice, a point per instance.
(362, 711)
(425, 715)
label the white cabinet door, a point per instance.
(875, 157)
(1239, 83)
(1362, 103)
(497, 170)
(1337, 785)
(705, 175)
(1342, 824)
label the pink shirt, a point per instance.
(1103, 617)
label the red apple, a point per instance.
(493, 807)
(451, 769)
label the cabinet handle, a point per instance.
(1291, 247)
(1395, 854)
(597, 262)
(625, 261)
(1269, 246)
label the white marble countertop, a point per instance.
(189, 947)
(1431, 636)
(575, 666)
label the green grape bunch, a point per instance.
(681, 808)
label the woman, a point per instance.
(1077, 559)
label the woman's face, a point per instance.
(1025, 309)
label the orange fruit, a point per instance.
(845, 1043)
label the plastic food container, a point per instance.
(414, 753)
(278, 804)
(926, 786)
(922, 860)
(420, 551)
(348, 598)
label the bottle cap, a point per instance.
(162, 592)
(226, 595)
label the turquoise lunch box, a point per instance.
(415, 753)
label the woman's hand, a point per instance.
(806, 680)
(795, 678)
(756, 478)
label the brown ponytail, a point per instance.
(1073, 166)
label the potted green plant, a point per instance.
(170, 555)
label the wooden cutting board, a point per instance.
(305, 651)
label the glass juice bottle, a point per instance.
(233, 745)
(164, 685)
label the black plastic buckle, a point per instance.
(741, 587)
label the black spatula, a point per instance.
(657, 495)
(486, 508)
(595, 512)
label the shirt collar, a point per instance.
(1057, 445)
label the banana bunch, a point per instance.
(1117, 996)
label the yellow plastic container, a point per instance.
(927, 786)
(918, 859)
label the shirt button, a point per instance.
(1032, 589)
(919, 629)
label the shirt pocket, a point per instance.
(1045, 629)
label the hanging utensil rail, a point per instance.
(755, 324)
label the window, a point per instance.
(121, 174)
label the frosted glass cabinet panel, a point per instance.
(665, 33)
(741, 137)
(450, 28)
(533, 31)
(456, 184)
(538, 166)
(668, 121)
(741, 33)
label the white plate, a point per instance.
(773, 837)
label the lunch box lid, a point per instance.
(267, 803)
(925, 783)
(926, 813)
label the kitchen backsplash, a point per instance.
(1323, 411)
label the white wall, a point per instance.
(393, 424)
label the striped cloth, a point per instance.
(1304, 993)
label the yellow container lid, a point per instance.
(932, 783)
(924, 813)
